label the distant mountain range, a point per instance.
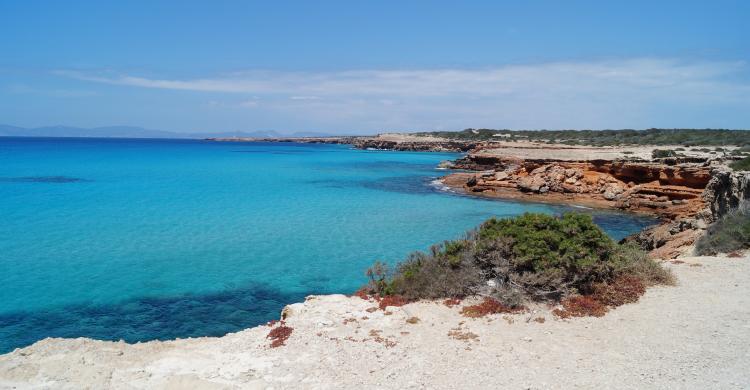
(135, 132)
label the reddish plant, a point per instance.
(624, 289)
(279, 335)
(392, 300)
(362, 292)
(735, 254)
(581, 306)
(450, 302)
(489, 306)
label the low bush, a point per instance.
(581, 306)
(533, 257)
(663, 153)
(489, 306)
(392, 300)
(741, 165)
(730, 233)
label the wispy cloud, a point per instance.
(50, 92)
(561, 94)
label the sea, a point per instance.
(144, 239)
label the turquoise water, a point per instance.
(157, 239)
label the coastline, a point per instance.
(674, 336)
(339, 342)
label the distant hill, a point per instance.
(134, 132)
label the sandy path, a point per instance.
(694, 335)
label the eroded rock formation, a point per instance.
(686, 195)
(669, 191)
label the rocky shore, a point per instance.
(693, 335)
(397, 142)
(688, 193)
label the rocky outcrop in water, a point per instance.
(688, 194)
(665, 190)
(417, 146)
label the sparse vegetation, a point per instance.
(731, 233)
(663, 153)
(684, 137)
(741, 165)
(279, 335)
(489, 306)
(534, 257)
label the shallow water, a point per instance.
(157, 239)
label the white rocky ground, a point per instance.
(692, 336)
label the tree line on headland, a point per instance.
(685, 137)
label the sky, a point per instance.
(357, 67)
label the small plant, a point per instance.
(581, 306)
(663, 153)
(279, 335)
(392, 300)
(412, 320)
(450, 302)
(489, 306)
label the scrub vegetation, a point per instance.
(514, 261)
(741, 165)
(730, 233)
(684, 137)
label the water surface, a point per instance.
(157, 239)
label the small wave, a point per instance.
(438, 184)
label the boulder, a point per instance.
(502, 175)
(532, 184)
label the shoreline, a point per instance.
(340, 342)
(455, 183)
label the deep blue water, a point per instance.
(158, 239)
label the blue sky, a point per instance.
(363, 67)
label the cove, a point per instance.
(157, 239)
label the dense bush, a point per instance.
(531, 257)
(730, 233)
(741, 165)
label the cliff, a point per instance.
(687, 193)
(669, 191)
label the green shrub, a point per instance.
(730, 233)
(741, 165)
(530, 257)
(662, 153)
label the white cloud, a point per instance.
(305, 98)
(625, 93)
